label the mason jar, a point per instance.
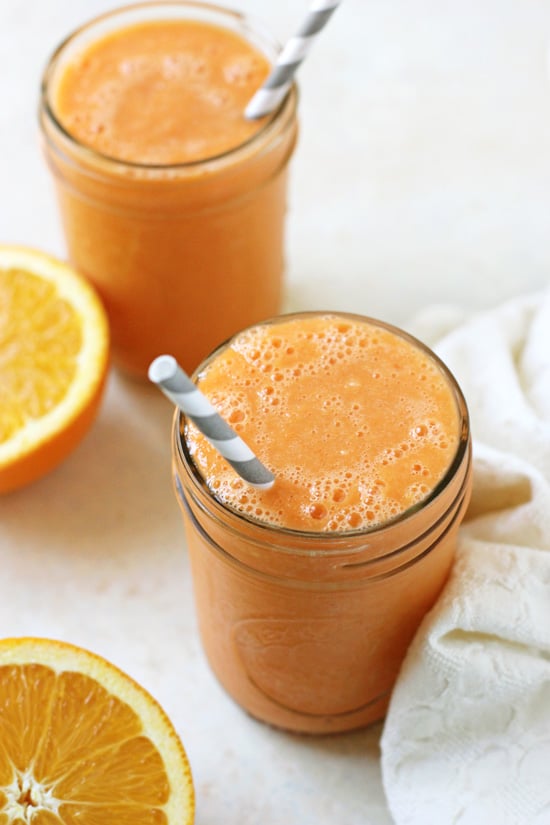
(183, 255)
(307, 630)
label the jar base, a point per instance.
(289, 721)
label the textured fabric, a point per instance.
(467, 736)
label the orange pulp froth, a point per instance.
(162, 92)
(357, 423)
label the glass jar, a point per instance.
(307, 630)
(183, 255)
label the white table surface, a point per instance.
(422, 176)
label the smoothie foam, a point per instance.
(162, 92)
(357, 424)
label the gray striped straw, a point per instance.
(268, 97)
(167, 374)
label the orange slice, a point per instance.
(83, 744)
(53, 362)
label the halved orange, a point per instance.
(81, 743)
(53, 361)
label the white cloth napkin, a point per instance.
(467, 736)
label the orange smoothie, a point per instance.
(156, 92)
(173, 203)
(309, 593)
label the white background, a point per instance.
(422, 177)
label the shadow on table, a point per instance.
(115, 485)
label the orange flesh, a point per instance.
(162, 92)
(98, 765)
(356, 423)
(40, 339)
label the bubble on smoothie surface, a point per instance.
(356, 423)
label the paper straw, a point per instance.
(268, 97)
(167, 374)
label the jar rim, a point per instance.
(336, 537)
(249, 26)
